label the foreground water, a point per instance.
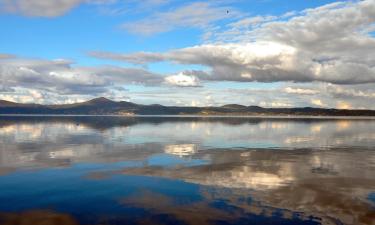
(118, 170)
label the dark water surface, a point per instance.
(118, 170)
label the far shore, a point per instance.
(196, 116)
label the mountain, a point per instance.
(104, 106)
(234, 106)
(7, 103)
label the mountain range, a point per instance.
(104, 106)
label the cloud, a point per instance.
(323, 56)
(183, 80)
(317, 102)
(45, 8)
(351, 92)
(343, 105)
(301, 91)
(19, 75)
(39, 8)
(332, 44)
(139, 58)
(58, 81)
(258, 61)
(286, 95)
(251, 22)
(193, 15)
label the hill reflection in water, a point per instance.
(187, 170)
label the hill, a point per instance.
(104, 106)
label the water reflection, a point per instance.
(181, 149)
(42, 141)
(329, 184)
(170, 170)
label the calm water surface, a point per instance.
(117, 170)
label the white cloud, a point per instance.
(258, 61)
(40, 80)
(275, 104)
(182, 80)
(317, 102)
(329, 44)
(301, 91)
(325, 56)
(343, 105)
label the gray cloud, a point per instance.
(40, 8)
(354, 92)
(60, 77)
(329, 44)
(57, 81)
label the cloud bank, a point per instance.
(60, 77)
(332, 43)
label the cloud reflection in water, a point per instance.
(323, 168)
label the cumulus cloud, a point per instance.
(55, 81)
(332, 44)
(325, 57)
(258, 61)
(183, 80)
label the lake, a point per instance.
(186, 170)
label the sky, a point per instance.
(271, 53)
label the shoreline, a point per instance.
(196, 116)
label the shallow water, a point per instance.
(186, 170)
